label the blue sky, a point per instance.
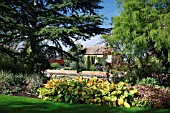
(109, 10)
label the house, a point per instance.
(99, 51)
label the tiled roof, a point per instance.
(97, 50)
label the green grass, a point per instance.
(14, 104)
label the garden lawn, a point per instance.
(14, 104)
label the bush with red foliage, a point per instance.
(153, 97)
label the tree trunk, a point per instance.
(31, 57)
(30, 66)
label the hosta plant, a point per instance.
(88, 91)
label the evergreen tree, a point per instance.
(142, 30)
(32, 24)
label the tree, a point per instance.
(78, 53)
(30, 25)
(142, 30)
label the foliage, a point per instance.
(55, 66)
(99, 61)
(132, 77)
(149, 96)
(10, 64)
(155, 65)
(27, 27)
(88, 63)
(90, 60)
(88, 91)
(66, 62)
(129, 77)
(92, 68)
(122, 73)
(141, 32)
(73, 66)
(149, 81)
(78, 53)
(14, 84)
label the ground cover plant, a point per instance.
(14, 104)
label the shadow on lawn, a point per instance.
(52, 107)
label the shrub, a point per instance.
(149, 81)
(99, 60)
(55, 66)
(73, 66)
(125, 76)
(149, 96)
(88, 91)
(15, 84)
(33, 82)
(88, 62)
(92, 68)
(66, 68)
(10, 78)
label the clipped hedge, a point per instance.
(88, 91)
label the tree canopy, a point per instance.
(142, 30)
(28, 26)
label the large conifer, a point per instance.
(32, 24)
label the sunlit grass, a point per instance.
(14, 104)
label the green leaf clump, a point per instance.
(88, 91)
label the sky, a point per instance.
(110, 9)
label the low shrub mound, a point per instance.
(88, 91)
(19, 84)
(148, 96)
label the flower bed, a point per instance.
(88, 91)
